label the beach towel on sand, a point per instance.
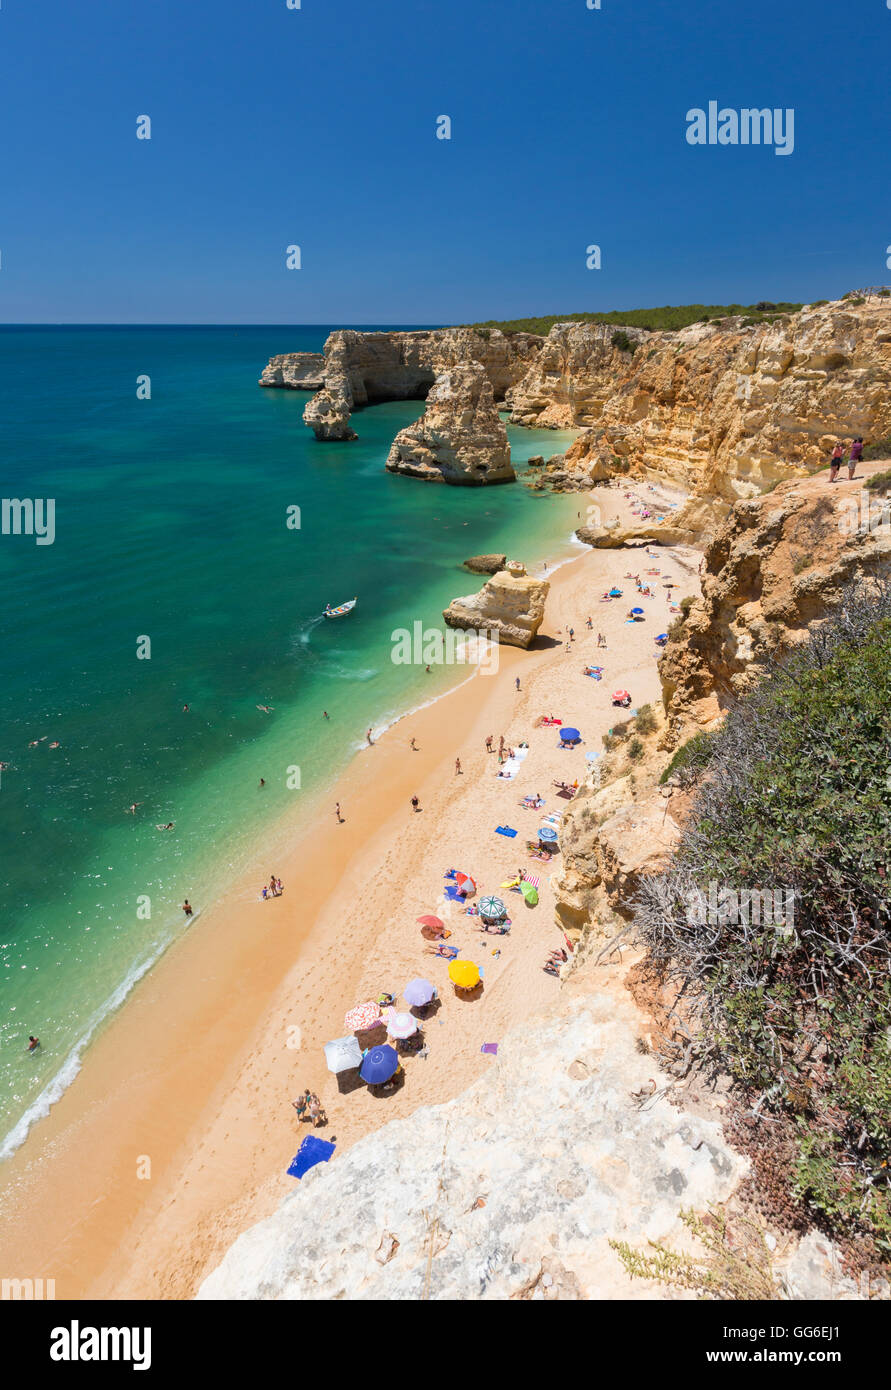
(453, 895)
(311, 1152)
(491, 1048)
(512, 766)
(505, 830)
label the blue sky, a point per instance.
(316, 126)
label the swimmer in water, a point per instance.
(131, 810)
(187, 908)
(33, 1043)
(168, 826)
(266, 709)
(262, 781)
(55, 745)
(185, 709)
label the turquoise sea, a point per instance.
(170, 524)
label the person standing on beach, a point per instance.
(337, 813)
(489, 744)
(517, 682)
(855, 456)
(369, 738)
(414, 746)
(415, 804)
(187, 908)
(457, 767)
(835, 462)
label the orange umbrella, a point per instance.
(465, 884)
(430, 921)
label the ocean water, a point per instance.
(171, 530)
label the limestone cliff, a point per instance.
(777, 566)
(511, 1190)
(509, 606)
(298, 371)
(361, 368)
(460, 438)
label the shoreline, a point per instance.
(179, 1084)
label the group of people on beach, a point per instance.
(273, 889)
(838, 458)
(309, 1107)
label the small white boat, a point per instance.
(340, 610)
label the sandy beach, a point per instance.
(179, 1130)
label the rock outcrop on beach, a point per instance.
(776, 567)
(509, 608)
(460, 438)
(510, 1191)
(298, 371)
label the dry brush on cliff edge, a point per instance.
(772, 924)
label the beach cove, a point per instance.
(191, 1083)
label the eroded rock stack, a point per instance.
(510, 604)
(460, 438)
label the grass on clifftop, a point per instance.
(669, 317)
(775, 916)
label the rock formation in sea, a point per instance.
(460, 438)
(298, 371)
(724, 408)
(510, 604)
(485, 564)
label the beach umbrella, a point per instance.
(616, 593)
(400, 1025)
(343, 1054)
(418, 992)
(620, 695)
(363, 1016)
(570, 735)
(464, 974)
(434, 933)
(430, 921)
(662, 637)
(637, 610)
(493, 908)
(547, 832)
(465, 884)
(529, 893)
(379, 1065)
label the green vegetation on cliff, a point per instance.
(669, 317)
(773, 920)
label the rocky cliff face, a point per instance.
(361, 368)
(512, 1190)
(511, 604)
(777, 566)
(460, 438)
(297, 371)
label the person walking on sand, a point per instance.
(415, 804)
(489, 744)
(855, 456)
(457, 767)
(414, 746)
(337, 813)
(590, 625)
(187, 908)
(517, 682)
(316, 1113)
(835, 462)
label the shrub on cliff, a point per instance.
(774, 917)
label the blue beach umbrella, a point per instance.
(570, 736)
(637, 610)
(547, 832)
(379, 1065)
(662, 637)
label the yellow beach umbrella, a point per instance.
(464, 974)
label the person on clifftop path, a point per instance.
(835, 462)
(855, 456)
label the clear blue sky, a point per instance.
(317, 126)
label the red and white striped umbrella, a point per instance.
(362, 1016)
(465, 884)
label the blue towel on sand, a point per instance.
(311, 1152)
(453, 895)
(505, 830)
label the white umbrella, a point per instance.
(343, 1054)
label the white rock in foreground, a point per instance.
(513, 1188)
